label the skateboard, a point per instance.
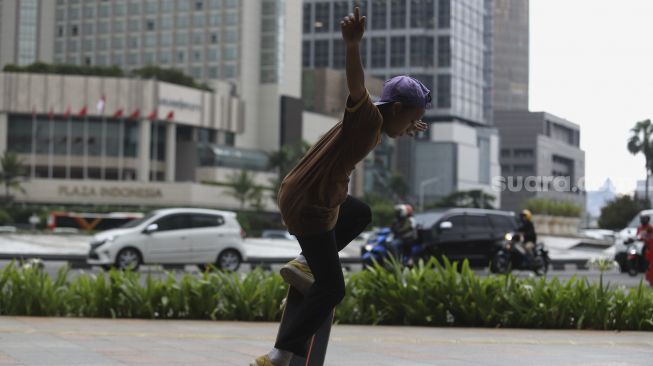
(317, 345)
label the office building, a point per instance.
(540, 158)
(26, 31)
(511, 54)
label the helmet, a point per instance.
(409, 210)
(526, 215)
(401, 211)
(644, 219)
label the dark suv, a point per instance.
(465, 233)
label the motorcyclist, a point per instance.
(645, 234)
(527, 232)
(404, 230)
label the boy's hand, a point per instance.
(418, 126)
(353, 27)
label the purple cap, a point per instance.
(406, 90)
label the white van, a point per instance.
(172, 236)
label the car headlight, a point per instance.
(369, 247)
(632, 251)
(99, 243)
(508, 237)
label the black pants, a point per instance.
(321, 253)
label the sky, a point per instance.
(592, 64)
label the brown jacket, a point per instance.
(312, 192)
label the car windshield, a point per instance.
(136, 222)
(427, 219)
(634, 223)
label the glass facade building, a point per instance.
(199, 37)
(447, 44)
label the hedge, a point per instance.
(428, 295)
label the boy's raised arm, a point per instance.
(353, 27)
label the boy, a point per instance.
(313, 197)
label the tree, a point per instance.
(242, 185)
(284, 160)
(640, 142)
(12, 170)
(618, 212)
(257, 198)
(382, 207)
(398, 186)
(468, 199)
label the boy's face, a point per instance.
(397, 119)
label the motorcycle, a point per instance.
(636, 257)
(378, 248)
(513, 255)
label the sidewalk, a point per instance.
(60, 341)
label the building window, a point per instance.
(74, 30)
(214, 38)
(104, 11)
(181, 39)
(422, 14)
(338, 54)
(119, 10)
(523, 168)
(198, 38)
(199, 5)
(421, 51)
(306, 53)
(398, 51)
(380, 14)
(134, 25)
(133, 42)
(167, 6)
(322, 17)
(167, 22)
(524, 153)
(181, 56)
(505, 153)
(151, 7)
(149, 25)
(166, 39)
(321, 53)
(134, 8)
(444, 91)
(198, 20)
(307, 22)
(183, 21)
(378, 53)
(444, 14)
(89, 11)
(444, 51)
(340, 10)
(150, 40)
(398, 14)
(215, 20)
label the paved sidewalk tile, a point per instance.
(34, 341)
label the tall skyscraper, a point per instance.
(447, 44)
(511, 54)
(26, 31)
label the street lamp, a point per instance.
(423, 184)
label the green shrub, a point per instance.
(554, 208)
(429, 294)
(5, 218)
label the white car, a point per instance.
(172, 236)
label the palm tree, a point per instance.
(242, 185)
(284, 160)
(12, 170)
(640, 142)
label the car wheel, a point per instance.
(632, 268)
(229, 260)
(128, 258)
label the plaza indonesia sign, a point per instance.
(109, 191)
